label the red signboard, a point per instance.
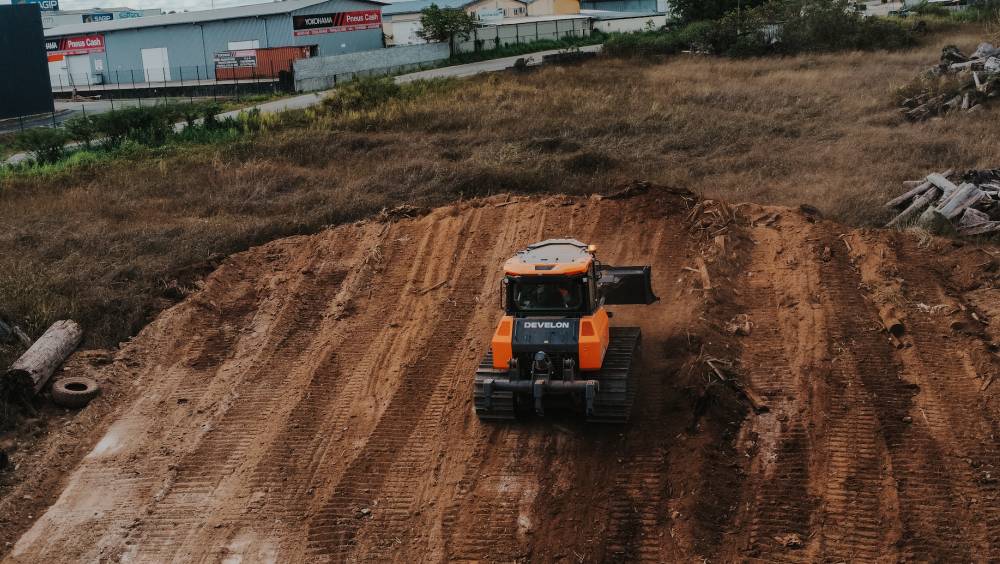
(332, 23)
(80, 45)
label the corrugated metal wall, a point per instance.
(190, 48)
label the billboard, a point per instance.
(78, 45)
(25, 88)
(317, 24)
(45, 5)
(236, 59)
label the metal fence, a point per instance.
(216, 81)
(495, 37)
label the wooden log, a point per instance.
(919, 189)
(915, 208)
(967, 195)
(981, 229)
(973, 217)
(946, 186)
(33, 370)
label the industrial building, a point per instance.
(190, 46)
(58, 18)
(401, 20)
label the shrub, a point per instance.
(81, 129)
(44, 144)
(362, 94)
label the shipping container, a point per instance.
(259, 63)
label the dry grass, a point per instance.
(112, 246)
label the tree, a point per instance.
(445, 24)
(698, 10)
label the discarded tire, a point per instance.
(74, 392)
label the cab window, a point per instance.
(555, 295)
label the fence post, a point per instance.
(138, 93)
(60, 83)
(53, 116)
(83, 108)
(20, 120)
(164, 77)
(274, 79)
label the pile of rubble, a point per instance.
(938, 204)
(959, 82)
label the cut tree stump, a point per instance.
(29, 374)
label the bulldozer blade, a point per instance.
(626, 285)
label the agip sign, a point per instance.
(45, 5)
(317, 24)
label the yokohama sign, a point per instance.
(332, 23)
(80, 45)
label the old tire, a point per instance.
(74, 392)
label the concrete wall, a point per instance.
(321, 73)
(626, 25)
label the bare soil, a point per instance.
(312, 402)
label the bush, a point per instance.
(362, 94)
(780, 26)
(81, 129)
(44, 144)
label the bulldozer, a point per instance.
(554, 345)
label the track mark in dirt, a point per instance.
(312, 402)
(875, 398)
(332, 531)
(783, 503)
(950, 400)
(198, 480)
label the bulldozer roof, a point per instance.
(552, 257)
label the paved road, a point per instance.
(307, 100)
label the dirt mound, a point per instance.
(313, 402)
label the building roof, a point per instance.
(414, 6)
(612, 15)
(537, 19)
(198, 16)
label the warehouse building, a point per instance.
(57, 18)
(401, 20)
(188, 46)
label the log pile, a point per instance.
(949, 204)
(957, 83)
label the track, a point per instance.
(313, 403)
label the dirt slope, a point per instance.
(312, 402)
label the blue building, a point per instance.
(190, 46)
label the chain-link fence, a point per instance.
(198, 80)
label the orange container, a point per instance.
(259, 63)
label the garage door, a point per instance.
(155, 64)
(79, 69)
(405, 33)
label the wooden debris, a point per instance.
(32, 370)
(938, 205)
(958, 82)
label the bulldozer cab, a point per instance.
(563, 277)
